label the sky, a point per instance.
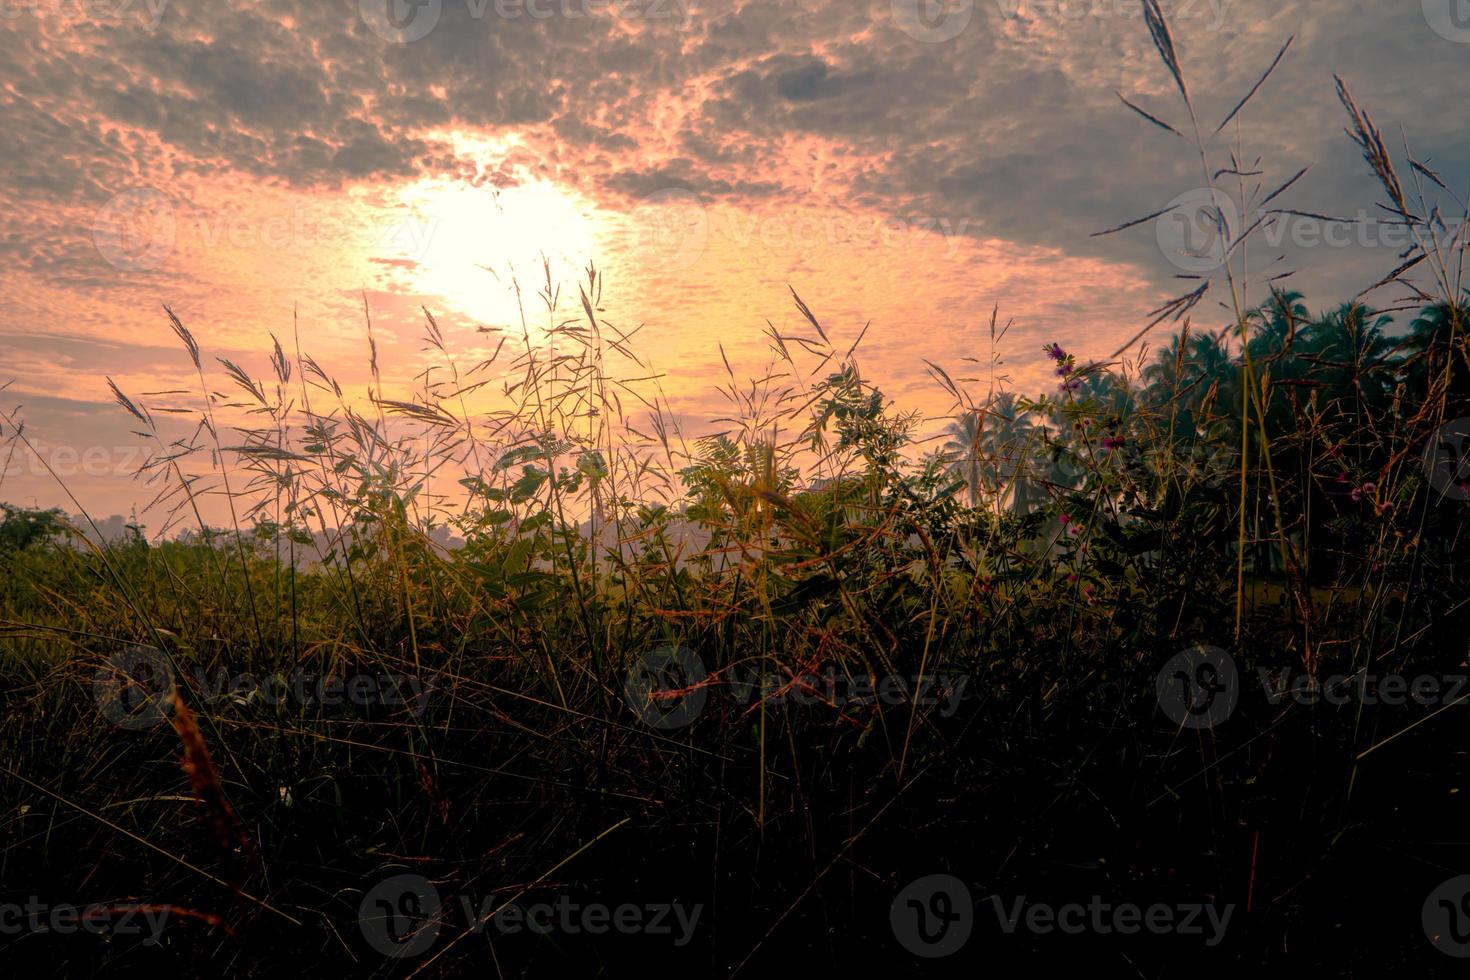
(277, 167)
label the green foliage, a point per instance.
(21, 529)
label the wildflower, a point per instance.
(1066, 367)
(1114, 442)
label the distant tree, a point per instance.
(990, 448)
(965, 452)
(1009, 441)
(21, 528)
(1197, 386)
(1439, 354)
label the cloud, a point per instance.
(1012, 124)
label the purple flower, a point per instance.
(1114, 442)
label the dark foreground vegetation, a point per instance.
(724, 706)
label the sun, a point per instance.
(469, 244)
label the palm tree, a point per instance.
(1349, 358)
(964, 450)
(1108, 394)
(1275, 324)
(1187, 383)
(1276, 329)
(1008, 440)
(988, 448)
(1434, 338)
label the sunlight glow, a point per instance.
(467, 244)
